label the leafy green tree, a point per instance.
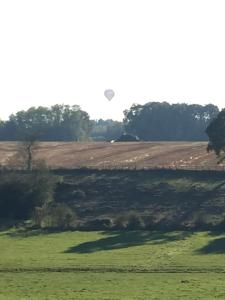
(106, 130)
(216, 134)
(163, 121)
(57, 123)
(21, 193)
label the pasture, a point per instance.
(112, 265)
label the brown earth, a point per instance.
(183, 155)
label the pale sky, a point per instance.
(70, 51)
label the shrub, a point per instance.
(21, 193)
(98, 224)
(55, 215)
(128, 138)
(130, 220)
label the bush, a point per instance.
(128, 138)
(55, 215)
(21, 193)
(131, 220)
(97, 224)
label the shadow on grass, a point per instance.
(216, 246)
(126, 239)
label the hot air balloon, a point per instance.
(109, 94)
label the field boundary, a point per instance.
(152, 168)
(110, 270)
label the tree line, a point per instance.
(57, 123)
(153, 121)
(169, 122)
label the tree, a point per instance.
(24, 155)
(216, 134)
(57, 123)
(169, 122)
(106, 130)
(20, 193)
(26, 150)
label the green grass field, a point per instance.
(111, 286)
(112, 265)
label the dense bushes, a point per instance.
(106, 130)
(55, 215)
(131, 220)
(31, 196)
(21, 193)
(90, 200)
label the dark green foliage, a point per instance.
(216, 133)
(156, 199)
(152, 121)
(55, 215)
(57, 123)
(131, 220)
(106, 130)
(161, 121)
(127, 138)
(97, 224)
(112, 199)
(21, 193)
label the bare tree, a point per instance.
(24, 156)
(27, 148)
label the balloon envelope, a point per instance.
(109, 94)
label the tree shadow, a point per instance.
(126, 239)
(216, 246)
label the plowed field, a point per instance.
(184, 155)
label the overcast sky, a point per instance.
(62, 51)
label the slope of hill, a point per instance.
(164, 199)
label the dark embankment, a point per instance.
(156, 199)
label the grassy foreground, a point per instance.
(111, 265)
(122, 251)
(91, 286)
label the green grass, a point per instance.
(116, 251)
(112, 265)
(64, 286)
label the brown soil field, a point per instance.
(103, 155)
